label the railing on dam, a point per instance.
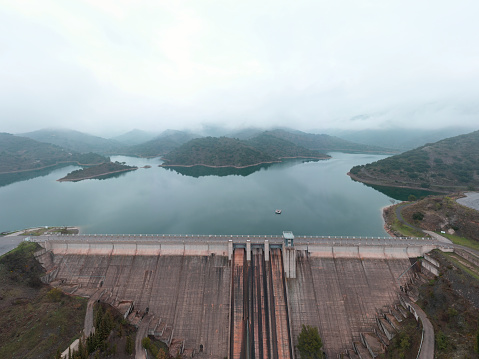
(240, 239)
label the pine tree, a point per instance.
(309, 343)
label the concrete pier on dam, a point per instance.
(236, 296)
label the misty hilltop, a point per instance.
(24, 154)
(447, 165)
(75, 141)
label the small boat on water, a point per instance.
(278, 211)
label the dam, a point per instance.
(237, 296)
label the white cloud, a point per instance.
(92, 65)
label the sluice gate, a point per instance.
(260, 318)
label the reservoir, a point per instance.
(315, 198)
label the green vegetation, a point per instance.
(229, 152)
(280, 148)
(451, 303)
(449, 164)
(463, 265)
(309, 343)
(113, 336)
(406, 342)
(24, 154)
(438, 214)
(216, 151)
(156, 348)
(97, 171)
(36, 320)
(466, 242)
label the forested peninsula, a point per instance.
(448, 165)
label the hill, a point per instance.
(402, 139)
(75, 141)
(134, 137)
(326, 143)
(280, 148)
(160, 145)
(24, 154)
(447, 165)
(36, 320)
(97, 171)
(216, 152)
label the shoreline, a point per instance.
(56, 164)
(372, 182)
(210, 166)
(64, 179)
(385, 225)
(252, 165)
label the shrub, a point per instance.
(309, 343)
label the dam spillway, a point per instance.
(236, 296)
(260, 325)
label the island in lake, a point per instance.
(231, 152)
(97, 171)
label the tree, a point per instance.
(412, 198)
(309, 343)
(477, 342)
(129, 346)
(162, 354)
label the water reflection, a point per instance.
(401, 194)
(202, 171)
(9, 178)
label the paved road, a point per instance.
(89, 323)
(438, 237)
(401, 218)
(254, 239)
(141, 333)
(10, 242)
(427, 348)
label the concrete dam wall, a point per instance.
(235, 299)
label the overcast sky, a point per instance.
(98, 65)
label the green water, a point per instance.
(316, 198)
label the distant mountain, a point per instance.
(280, 148)
(160, 145)
(245, 134)
(402, 139)
(447, 165)
(326, 143)
(216, 152)
(135, 137)
(24, 154)
(75, 141)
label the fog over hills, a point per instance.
(399, 138)
(75, 140)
